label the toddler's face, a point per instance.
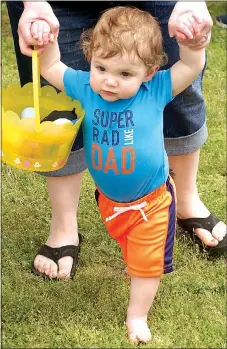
(118, 77)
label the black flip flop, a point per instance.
(189, 225)
(57, 253)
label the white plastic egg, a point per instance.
(28, 112)
(61, 121)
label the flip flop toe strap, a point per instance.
(207, 223)
(57, 253)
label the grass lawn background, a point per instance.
(189, 310)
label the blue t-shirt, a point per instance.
(123, 140)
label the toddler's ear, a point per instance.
(149, 75)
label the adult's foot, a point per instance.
(62, 269)
(193, 207)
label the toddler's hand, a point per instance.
(40, 31)
(187, 27)
(191, 32)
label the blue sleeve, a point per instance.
(74, 83)
(161, 88)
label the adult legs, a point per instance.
(63, 185)
(64, 196)
(189, 205)
(185, 132)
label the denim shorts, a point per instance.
(185, 128)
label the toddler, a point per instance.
(124, 95)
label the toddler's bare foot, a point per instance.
(138, 330)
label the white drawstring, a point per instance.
(120, 210)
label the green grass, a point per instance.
(189, 310)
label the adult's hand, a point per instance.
(201, 14)
(35, 11)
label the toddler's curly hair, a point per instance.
(125, 30)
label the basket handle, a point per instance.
(36, 86)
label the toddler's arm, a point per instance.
(191, 62)
(51, 67)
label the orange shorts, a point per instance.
(144, 229)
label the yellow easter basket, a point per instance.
(30, 143)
